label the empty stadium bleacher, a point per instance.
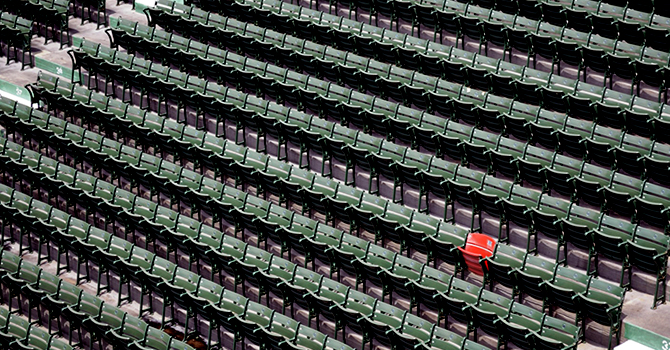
(276, 175)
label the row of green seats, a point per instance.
(82, 310)
(16, 33)
(460, 65)
(393, 151)
(651, 23)
(636, 18)
(666, 244)
(188, 290)
(469, 17)
(588, 297)
(644, 249)
(99, 7)
(490, 185)
(404, 325)
(312, 191)
(588, 183)
(602, 155)
(638, 115)
(606, 146)
(398, 266)
(584, 15)
(196, 181)
(553, 42)
(52, 14)
(635, 22)
(521, 216)
(16, 332)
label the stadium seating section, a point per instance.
(389, 174)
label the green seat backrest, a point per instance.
(135, 328)
(651, 239)
(566, 277)
(284, 326)
(49, 283)
(508, 255)
(163, 269)
(112, 316)
(157, 339)
(90, 305)
(258, 314)
(40, 339)
(491, 301)
(4, 317)
(309, 339)
(18, 327)
(29, 272)
(334, 291)
(10, 262)
(604, 291)
(186, 280)
(234, 302)
(391, 316)
(559, 330)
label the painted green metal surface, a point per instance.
(54, 68)
(14, 90)
(646, 337)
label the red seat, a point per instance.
(477, 246)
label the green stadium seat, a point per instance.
(657, 166)
(531, 165)
(577, 230)
(502, 267)
(589, 182)
(611, 239)
(651, 74)
(413, 332)
(475, 149)
(404, 271)
(570, 53)
(602, 303)
(488, 311)
(503, 156)
(570, 139)
(477, 78)
(488, 198)
(384, 321)
(532, 277)
(282, 329)
(647, 251)
(619, 192)
(638, 123)
(457, 303)
(521, 324)
(651, 213)
(463, 182)
(444, 339)
(557, 333)
(517, 209)
(564, 288)
(431, 283)
(560, 173)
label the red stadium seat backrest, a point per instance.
(477, 246)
